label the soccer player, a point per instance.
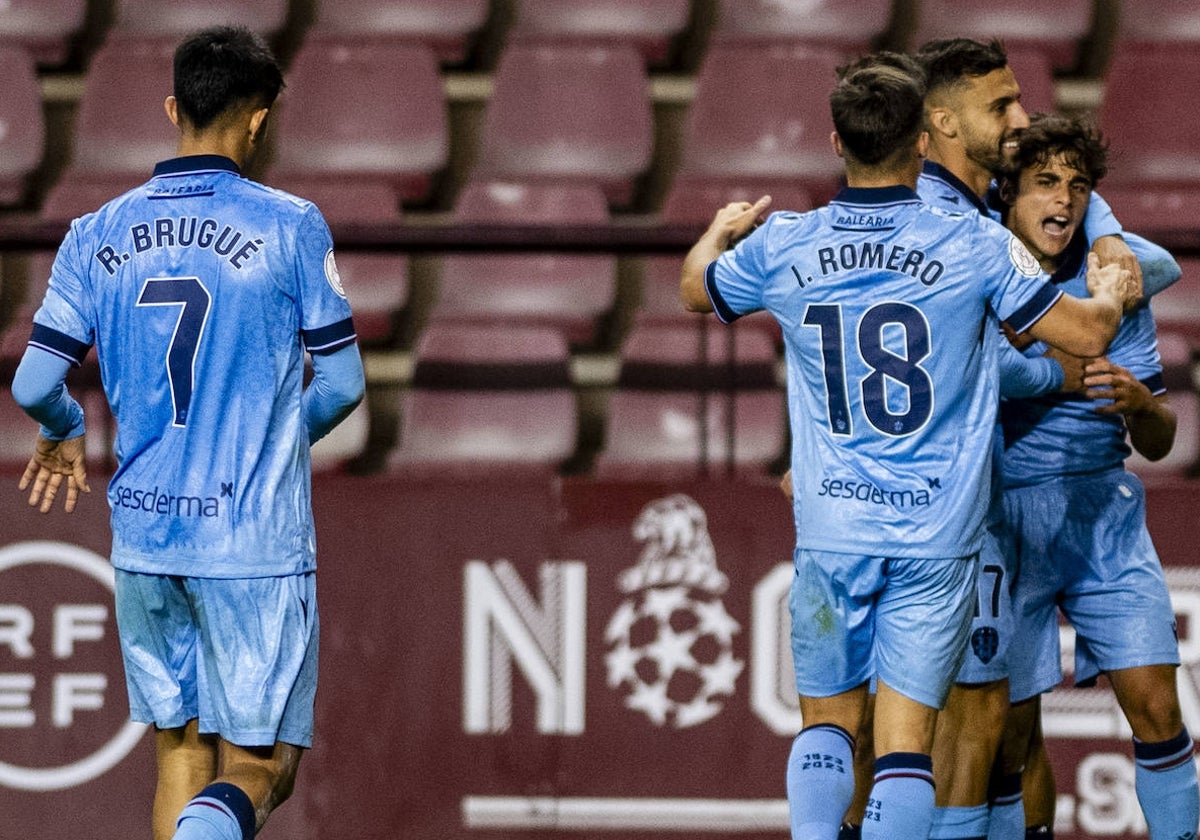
(1075, 516)
(974, 117)
(882, 300)
(201, 290)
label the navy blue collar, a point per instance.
(936, 170)
(1071, 261)
(876, 195)
(196, 163)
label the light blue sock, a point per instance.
(960, 823)
(1165, 780)
(219, 812)
(820, 781)
(1007, 818)
(901, 803)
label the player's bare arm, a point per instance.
(1149, 418)
(732, 222)
(53, 461)
(1085, 326)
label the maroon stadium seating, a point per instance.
(693, 400)
(1154, 181)
(487, 395)
(172, 20)
(121, 129)
(445, 25)
(567, 291)
(1032, 68)
(1160, 21)
(1056, 29)
(363, 112)
(568, 112)
(762, 113)
(849, 27)
(22, 127)
(647, 24)
(44, 27)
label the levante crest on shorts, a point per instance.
(985, 642)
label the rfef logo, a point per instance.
(64, 717)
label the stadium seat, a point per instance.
(694, 203)
(567, 291)
(487, 395)
(568, 113)
(45, 28)
(22, 125)
(1154, 181)
(445, 25)
(762, 113)
(155, 19)
(850, 28)
(1177, 308)
(121, 130)
(692, 401)
(363, 112)
(647, 24)
(23, 297)
(1054, 29)
(1159, 21)
(1036, 78)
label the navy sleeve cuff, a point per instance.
(1027, 315)
(723, 310)
(60, 344)
(324, 340)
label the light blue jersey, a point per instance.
(201, 291)
(882, 300)
(1043, 434)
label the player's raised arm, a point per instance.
(732, 222)
(1085, 326)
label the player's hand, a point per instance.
(1112, 280)
(1072, 367)
(52, 462)
(785, 485)
(737, 219)
(1113, 383)
(1113, 249)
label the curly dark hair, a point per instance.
(1051, 135)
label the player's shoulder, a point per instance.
(282, 202)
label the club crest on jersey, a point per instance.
(1022, 259)
(331, 274)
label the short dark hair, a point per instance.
(222, 68)
(878, 106)
(949, 61)
(1051, 135)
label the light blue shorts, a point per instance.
(854, 617)
(239, 654)
(986, 659)
(1080, 544)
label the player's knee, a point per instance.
(1154, 716)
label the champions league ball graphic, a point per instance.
(671, 642)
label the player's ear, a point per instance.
(171, 106)
(923, 145)
(943, 121)
(258, 124)
(836, 142)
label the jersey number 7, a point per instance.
(194, 301)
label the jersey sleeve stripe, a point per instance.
(722, 309)
(329, 338)
(60, 344)
(1028, 315)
